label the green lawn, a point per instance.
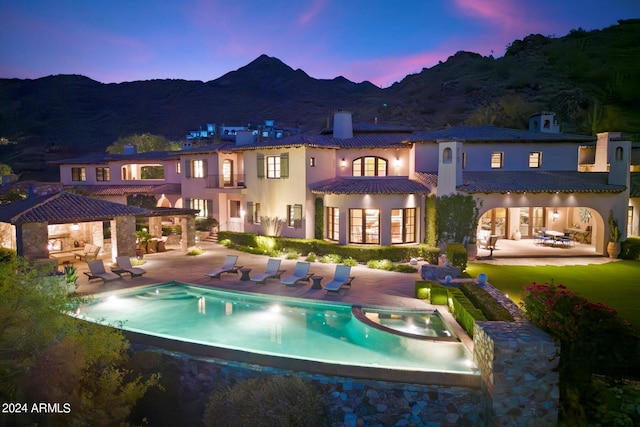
(615, 283)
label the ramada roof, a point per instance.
(530, 182)
(64, 208)
(369, 185)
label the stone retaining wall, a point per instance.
(518, 364)
(349, 402)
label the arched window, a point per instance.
(447, 157)
(369, 166)
(547, 124)
(619, 153)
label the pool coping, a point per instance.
(441, 378)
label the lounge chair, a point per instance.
(272, 270)
(229, 266)
(124, 266)
(89, 252)
(341, 278)
(97, 271)
(300, 274)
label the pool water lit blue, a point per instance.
(277, 326)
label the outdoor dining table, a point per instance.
(554, 233)
(558, 237)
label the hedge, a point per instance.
(266, 244)
(630, 249)
(462, 309)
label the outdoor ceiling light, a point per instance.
(75, 226)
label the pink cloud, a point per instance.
(316, 7)
(506, 14)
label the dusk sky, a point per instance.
(381, 41)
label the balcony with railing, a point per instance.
(225, 181)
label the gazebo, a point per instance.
(38, 225)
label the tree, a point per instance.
(456, 217)
(48, 356)
(144, 143)
(5, 169)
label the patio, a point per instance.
(370, 287)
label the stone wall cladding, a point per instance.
(518, 364)
(348, 402)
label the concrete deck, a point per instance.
(370, 287)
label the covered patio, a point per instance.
(55, 225)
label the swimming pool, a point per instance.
(307, 330)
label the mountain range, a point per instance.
(591, 79)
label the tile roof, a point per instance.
(369, 185)
(374, 127)
(63, 207)
(495, 134)
(537, 182)
(122, 190)
(106, 157)
(362, 140)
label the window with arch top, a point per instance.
(447, 155)
(369, 166)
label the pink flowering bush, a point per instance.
(580, 325)
(592, 340)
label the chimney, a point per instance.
(342, 125)
(544, 122)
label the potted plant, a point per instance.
(70, 278)
(143, 237)
(614, 246)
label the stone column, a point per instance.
(188, 225)
(123, 236)
(518, 364)
(155, 226)
(32, 239)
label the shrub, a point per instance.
(331, 259)
(195, 251)
(206, 224)
(322, 247)
(311, 257)
(351, 262)
(291, 254)
(457, 255)
(592, 340)
(630, 249)
(380, 264)
(266, 401)
(481, 299)
(403, 268)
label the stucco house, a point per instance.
(371, 181)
